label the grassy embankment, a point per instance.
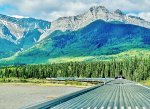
(146, 82)
(43, 82)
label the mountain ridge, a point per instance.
(93, 33)
(94, 13)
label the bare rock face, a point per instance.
(13, 29)
(94, 13)
(18, 34)
(118, 11)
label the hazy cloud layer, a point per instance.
(52, 9)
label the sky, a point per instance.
(52, 9)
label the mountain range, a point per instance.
(95, 34)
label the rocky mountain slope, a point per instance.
(94, 13)
(18, 34)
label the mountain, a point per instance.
(94, 13)
(99, 38)
(95, 34)
(18, 34)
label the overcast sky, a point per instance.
(52, 9)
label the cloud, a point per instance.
(52, 9)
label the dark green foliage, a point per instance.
(31, 37)
(146, 40)
(134, 69)
(7, 48)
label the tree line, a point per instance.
(135, 69)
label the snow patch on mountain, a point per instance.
(18, 16)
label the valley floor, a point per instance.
(14, 96)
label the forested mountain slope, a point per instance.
(99, 38)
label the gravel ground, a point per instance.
(16, 96)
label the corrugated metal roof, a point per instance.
(117, 94)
